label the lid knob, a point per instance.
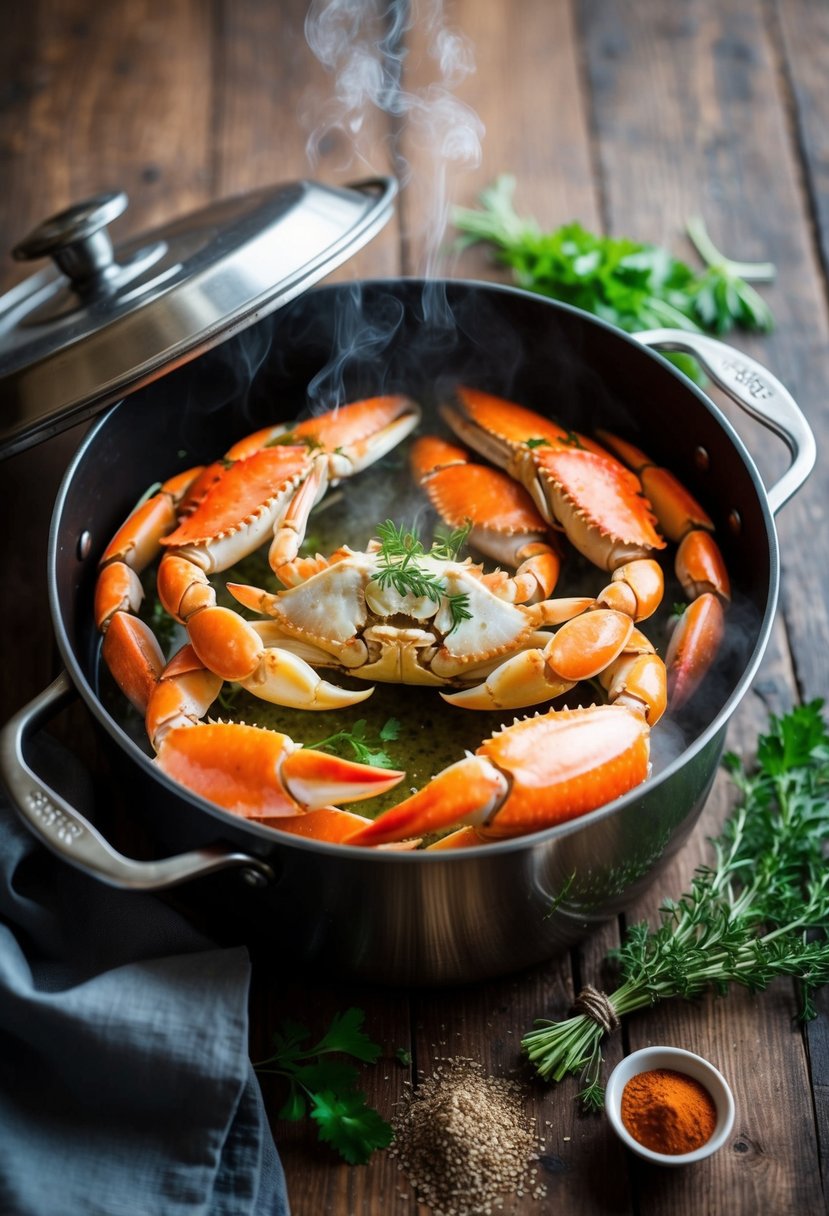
(78, 241)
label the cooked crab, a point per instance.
(608, 514)
(485, 639)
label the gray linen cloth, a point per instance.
(125, 1083)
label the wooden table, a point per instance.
(628, 117)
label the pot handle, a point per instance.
(69, 834)
(757, 391)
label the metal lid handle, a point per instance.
(78, 241)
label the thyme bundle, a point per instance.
(760, 911)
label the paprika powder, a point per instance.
(668, 1112)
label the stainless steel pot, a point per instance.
(412, 917)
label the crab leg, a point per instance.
(504, 523)
(134, 546)
(345, 441)
(580, 650)
(699, 566)
(535, 774)
(696, 638)
(637, 679)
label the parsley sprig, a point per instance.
(632, 284)
(398, 556)
(760, 911)
(357, 741)
(341, 1114)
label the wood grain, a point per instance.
(708, 79)
(96, 97)
(625, 115)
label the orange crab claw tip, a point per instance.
(470, 789)
(463, 838)
(315, 779)
(328, 823)
(694, 643)
(261, 774)
(134, 657)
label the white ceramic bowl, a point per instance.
(682, 1061)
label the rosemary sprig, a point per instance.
(760, 911)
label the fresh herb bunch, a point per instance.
(759, 912)
(631, 284)
(357, 741)
(343, 1118)
(399, 566)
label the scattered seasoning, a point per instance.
(465, 1142)
(668, 1112)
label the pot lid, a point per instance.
(103, 320)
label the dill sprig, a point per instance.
(398, 556)
(760, 911)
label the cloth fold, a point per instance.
(125, 1083)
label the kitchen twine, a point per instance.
(597, 1005)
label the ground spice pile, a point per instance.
(668, 1112)
(465, 1142)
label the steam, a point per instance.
(361, 44)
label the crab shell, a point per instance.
(537, 773)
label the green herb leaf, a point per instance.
(357, 743)
(349, 1125)
(346, 1034)
(390, 731)
(398, 554)
(295, 1107)
(759, 911)
(343, 1118)
(632, 284)
(447, 545)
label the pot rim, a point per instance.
(272, 837)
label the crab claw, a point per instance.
(535, 774)
(695, 640)
(262, 774)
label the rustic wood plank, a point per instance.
(273, 96)
(526, 90)
(318, 1181)
(800, 31)
(689, 116)
(93, 100)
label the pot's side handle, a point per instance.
(758, 392)
(69, 834)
